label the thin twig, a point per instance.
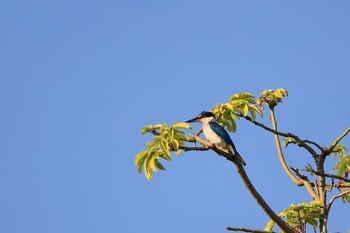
(313, 143)
(335, 197)
(335, 143)
(242, 229)
(302, 143)
(312, 171)
(188, 148)
(307, 184)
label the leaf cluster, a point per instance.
(298, 216)
(243, 104)
(165, 140)
(172, 139)
(271, 98)
(343, 167)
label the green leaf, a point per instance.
(181, 125)
(152, 164)
(146, 129)
(147, 169)
(180, 136)
(254, 108)
(280, 92)
(139, 160)
(269, 226)
(159, 165)
(178, 152)
(272, 98)
(304, 213)
(229, 107)
(343, 166)
(165, 149)
(164, 129)
(243, 95)
(245, 110)
(151, 146)
(149, 128)
(287, 140)
(175, 144)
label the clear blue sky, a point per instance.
(79, 79)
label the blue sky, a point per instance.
(79, 79)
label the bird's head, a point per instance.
(203, 116)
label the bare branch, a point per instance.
(280, 152)
(335, 143)
(242, 229)
(248, 118)
(302, 143)
(314, 143)
(337, 196)
(312, 171)
(283, 225)
(307, 184)
(187, 148)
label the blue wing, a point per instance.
(219, 130)
(224, 135)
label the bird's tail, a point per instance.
(239, 157)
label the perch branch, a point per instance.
(188, 148)
(259, 199)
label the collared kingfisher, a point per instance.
(216, 134)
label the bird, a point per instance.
(216, 134)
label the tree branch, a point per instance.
(335, 143)
(302, 143)
(248, 230)
(261, 201)
(188, 148)
(247, 183)
(307, 184)
(280, 153)
(248, 118)
(312, 171)
(313, 143)
(335, 197)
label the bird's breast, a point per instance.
(211, 135)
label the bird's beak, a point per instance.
(196, 119)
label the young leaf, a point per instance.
(147, 169)
(159, 165)
(287, 140)
(146, 129)
(181, 125)
(165, 149)
(139, 160)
